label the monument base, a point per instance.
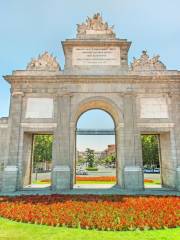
(178, 178)
(133, 178)
(9, 179)
(61, 178)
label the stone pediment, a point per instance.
(44, 62)
(145, 63)
(95, 27)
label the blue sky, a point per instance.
(95, 119)
(28, 28)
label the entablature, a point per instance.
(21, 76)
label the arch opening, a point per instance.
(96, 155)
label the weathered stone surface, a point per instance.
(10, 175)
(133, 178)
(178, 178)
(156, 107)
(3, 146)
(61, 178)
(44, 62)
(39, 108)
(95, 27)
(87, 56)
(144, 63)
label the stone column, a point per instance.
(11, 169)
(133, 174)
(61, 148)
(168, 159)
(176, 119)
(120, 154)
(3, 148)
(73, 152)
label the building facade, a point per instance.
(142, 98)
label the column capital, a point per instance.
(119, 126)
(17, 93)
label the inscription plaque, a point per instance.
(39, 108)
(153, 107)
(82, 56)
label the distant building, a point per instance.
(111, 149)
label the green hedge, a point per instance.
(92, 169)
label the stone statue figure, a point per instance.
(145, 63)
(44, 62)
(96, 24)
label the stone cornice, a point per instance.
(70, 43)
(94, 78)
(114, 42)
(80, 42)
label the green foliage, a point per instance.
(92, 169)
(42, 148)
(81, 160)
(109, 160)
(90, 157)
(150, 150)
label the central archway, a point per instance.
(113, 110)
(95, 150)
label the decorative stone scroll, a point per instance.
(145, 63)
(44, 62)
(95, 26)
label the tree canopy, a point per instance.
(150, 150)
(42, 150)
(90, 157)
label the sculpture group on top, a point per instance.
(96, 28)
(145, 63)
(95, 25)
(44, 62)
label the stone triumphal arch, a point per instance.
(106, 104)
(142, 98)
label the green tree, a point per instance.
(42, 150)
(111, 159)
(90, 157)
(150, 150)
(81, 160)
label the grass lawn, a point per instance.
(39, 182)
(10, 230)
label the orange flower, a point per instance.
(94, 211)
(103, 178)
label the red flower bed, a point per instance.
(94, 212)
(148, 180)
(103, 178)
(45, 180)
